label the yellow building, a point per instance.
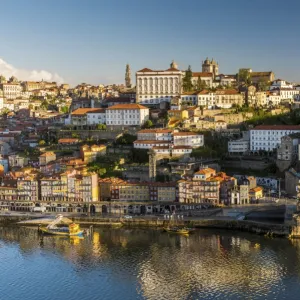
(176, 116)
(90, 153)
(256, 193)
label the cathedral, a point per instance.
(210, 66)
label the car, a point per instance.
(127, 217)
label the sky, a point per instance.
(91, 41)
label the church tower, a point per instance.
(210, 66)
(128, 77)
(173, 65)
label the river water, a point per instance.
(147, 264)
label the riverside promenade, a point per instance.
(217, 219)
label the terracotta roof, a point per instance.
(128, 106)
(206, 171)
(277, 127)
(204, 92)
(83, 111)
(202, 74)
(68, 141)
(145, 70)
(48, 154)
(227, 92)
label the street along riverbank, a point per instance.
(270, 229)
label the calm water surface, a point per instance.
(147, 264)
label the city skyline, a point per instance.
(93, 41)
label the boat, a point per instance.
(178, 230)
(72, 230)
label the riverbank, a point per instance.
(271, 229)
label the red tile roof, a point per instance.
(202, 74)
(184, 133)
(83, 111)
(128, 106)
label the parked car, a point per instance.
(127, 217)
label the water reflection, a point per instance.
(149, 264)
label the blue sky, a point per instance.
(91, 41)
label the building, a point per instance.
(90, 153)
(239, 147)
(128, 77)
(256, 77)
(268, 137)
(288, 148)
(256, 193)
(88, 116)
(46, 157)
(279, 83)
(11, 90)
(227, 98)
(239, 195)
(127, 115)
(188, 139)
(210, 66)
(206, 99)
(115, 189)
(204, 78)
(154, 87)
(149, 138)
(273, 98)
(292, 182)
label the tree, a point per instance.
(148, 124)
(44, 104)
(263, 84)
(5, 111)
(75, 135)
(244, 76)
(187, 80)
(42, 143)
(126, 139)
(64, 109)
(101, 127)
(201, 85)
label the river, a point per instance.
(147, 264)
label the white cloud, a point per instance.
(8, 70)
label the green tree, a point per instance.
(201, 85)
(44, 104)
(5, 111)
(126, 139)
(101, 127)
(244, 76)
(263, 84)
(187, 80)
(75, 135)
(148, 124)
(64, 109)
(42, 143)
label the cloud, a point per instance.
(8, 70)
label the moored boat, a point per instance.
(72, 230)
(178, 230)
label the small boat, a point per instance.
(72, 230)
(177, 230)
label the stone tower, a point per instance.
(173, 65)
(210, 66)
(128, 77)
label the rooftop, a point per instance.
(127, 106)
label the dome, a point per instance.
(207, 61)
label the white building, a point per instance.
(287, 93)
(11, 90)
(155, 134)
(174, 150)
(268, 137)
(154, 87)
(96, 116)
(127, 115)
(205, 77)
(149, 138)
(149, 144)
(188, 139)
(240, 146)
(279, 83)
(206, 99)
(273, 98)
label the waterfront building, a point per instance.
(268, 137)
(256, 193)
